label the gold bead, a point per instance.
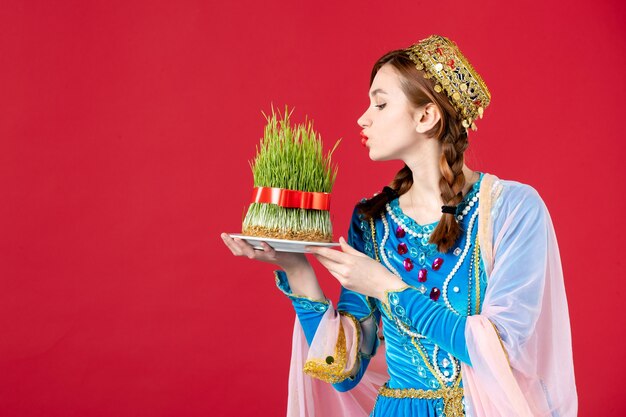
(463, 87)
(480, 112)
(438, 88)
(456, 96)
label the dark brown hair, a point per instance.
(449, 131)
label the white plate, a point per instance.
(282, 245)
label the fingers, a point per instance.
(332, 266)
(328, 253)
(232, 245)
(336, 270)
(270, 251)
(240, 247)
(345, 247)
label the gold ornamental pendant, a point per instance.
(453, 402)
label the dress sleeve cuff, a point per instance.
(334, 354)
(394, 302)
(299, 301)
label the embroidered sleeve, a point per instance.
(300, 302)
(416, 314)
(308, 310)
(358, 305)
(342, 361)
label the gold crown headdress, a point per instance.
(441, 59)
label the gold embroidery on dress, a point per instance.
(373, 228)
(332, 368)
(452, 397)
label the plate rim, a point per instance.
(298, 242)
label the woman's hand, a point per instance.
(285, 260)
(356, 271)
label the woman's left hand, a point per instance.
(356, 271)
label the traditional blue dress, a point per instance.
(442, 290)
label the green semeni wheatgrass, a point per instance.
(291, 157)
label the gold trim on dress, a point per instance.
(452, 397)
(331, 369)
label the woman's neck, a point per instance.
(425, 193)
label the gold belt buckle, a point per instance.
(453, 402)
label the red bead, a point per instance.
(408, 264)
(400, 233)
(437, 263)
(421, 275)
(402, 248)
(451, 63)
(435, 293)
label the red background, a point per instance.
(125, 135)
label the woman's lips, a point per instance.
(363, 138)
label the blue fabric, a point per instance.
(442, 328)
(417, 407)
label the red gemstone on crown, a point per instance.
(435, 293)
(451, 63)
(437, 263)
(421, 275)
(402, 248)
(408, 264)
(400, 233)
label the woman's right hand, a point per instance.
(285, 260)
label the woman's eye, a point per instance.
(381, 106)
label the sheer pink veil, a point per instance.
(520, 344)
(526, 302)
(311, 397)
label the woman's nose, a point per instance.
(363, 121)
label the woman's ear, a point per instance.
(426, 117)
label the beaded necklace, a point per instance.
(442, 377)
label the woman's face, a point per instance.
(389, 123)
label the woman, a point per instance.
(470, 293)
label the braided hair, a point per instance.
(453, 138)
